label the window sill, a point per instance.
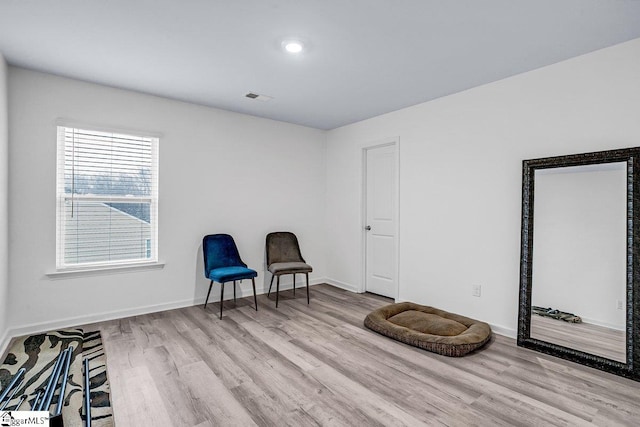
(99, 271)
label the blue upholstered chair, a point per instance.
(222, 264)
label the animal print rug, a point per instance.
(38, 353)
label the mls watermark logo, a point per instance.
(24, 418)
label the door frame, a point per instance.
(363, 148)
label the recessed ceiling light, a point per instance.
(293, 46)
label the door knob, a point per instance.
(368, 227)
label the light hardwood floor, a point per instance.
(306, 365)
(593, 339)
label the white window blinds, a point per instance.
(107, 195)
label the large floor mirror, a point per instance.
(579, 272)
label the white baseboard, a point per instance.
(342, 285)
(504, 331)
(97, 317)
(286, 285)
(119, 314)
(4, 344)
(136, 311)
(604, 324)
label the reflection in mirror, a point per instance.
(578, 286)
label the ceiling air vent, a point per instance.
(258, 97)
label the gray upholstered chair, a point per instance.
(284, 257)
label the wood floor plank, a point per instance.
(587, 337)
(372, 404)
(172, 388)
(441, 369)
(213, 398)
(316, 364)
(219, 362)
(291, 383)
(282, 345)
(393, 385)
(266, 409)
(136, 385)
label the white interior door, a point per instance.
(380, 227)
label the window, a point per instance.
(107, 196)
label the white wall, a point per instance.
(460, 186)
(580, 242)
(460, 175)
(219, 172)
(4, 204)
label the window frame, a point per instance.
(63, 197)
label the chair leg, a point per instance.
(234, 291)
(221, 300)
(255, 298)
(270, 284)
(277, 289)
(307, 274)
(294, 284)
(205, 301)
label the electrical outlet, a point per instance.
(476, 291)
(619, 304)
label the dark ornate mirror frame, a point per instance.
(631, 156)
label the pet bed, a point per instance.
(429, 328)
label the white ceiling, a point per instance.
(364, 57)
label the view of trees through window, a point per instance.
(107, 197)
(114, 183)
